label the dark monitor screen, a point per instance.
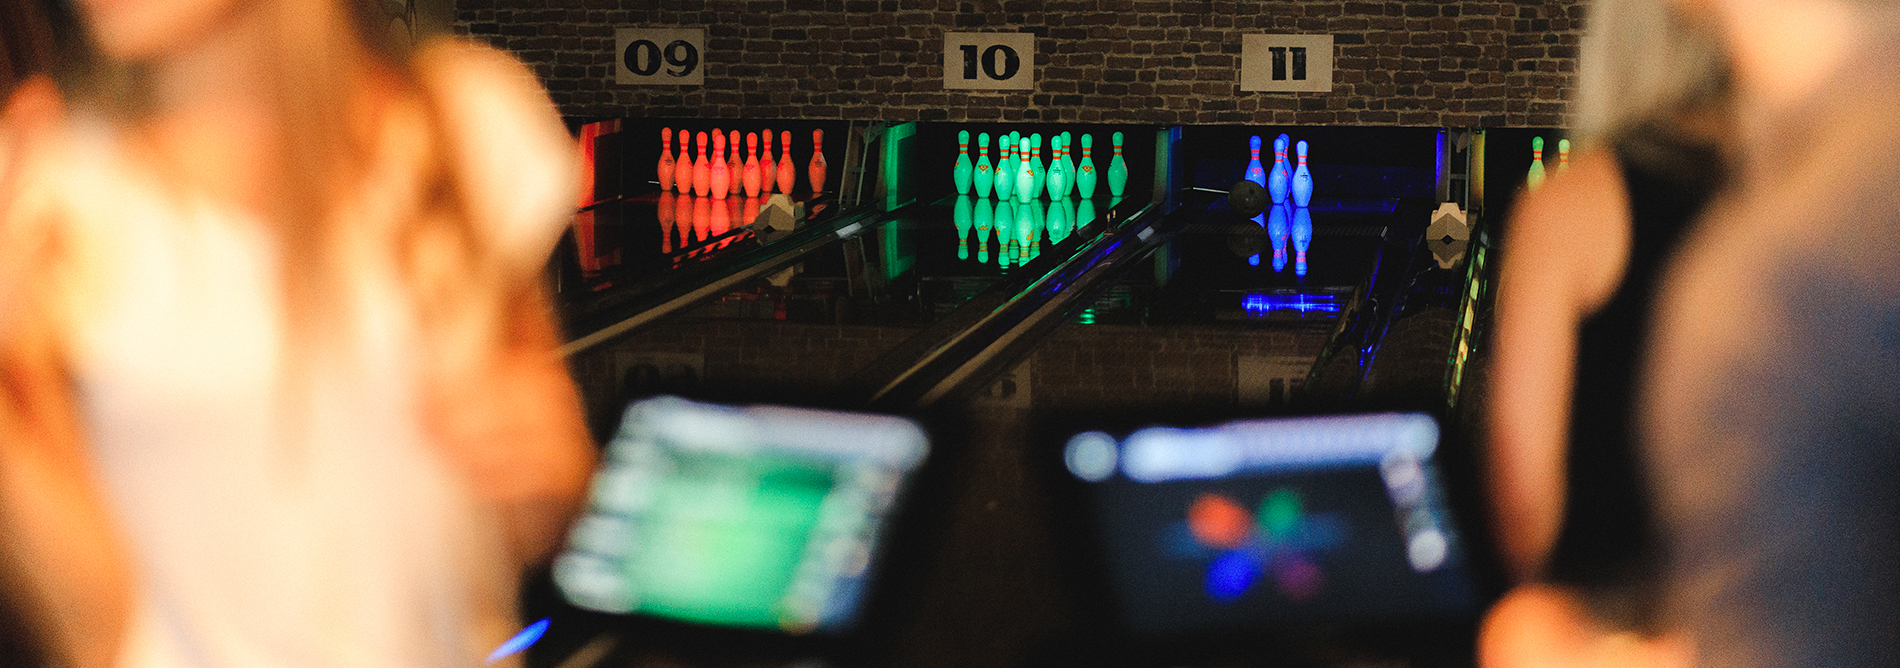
(1337, 519)
(758, 517)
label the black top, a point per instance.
(1604, 546)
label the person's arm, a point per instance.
(1565, 252)
(518, 432)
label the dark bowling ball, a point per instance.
(1247, 199)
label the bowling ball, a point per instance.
(1247, 199)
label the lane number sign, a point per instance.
(989, 60)
(1286, 63)
(660, 56)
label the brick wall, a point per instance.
(1468, 63)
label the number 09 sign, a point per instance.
(660, 56)
(989, 60)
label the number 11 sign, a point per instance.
(660, 56)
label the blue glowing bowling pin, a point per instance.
(1302, 179)
(1278, 226)
(1302, 238)
(1279, 177)
(963, 216)
(965, 169)
(1255, 172)
(985, 179)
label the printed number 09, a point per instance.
(1010, 62)
(679, 54)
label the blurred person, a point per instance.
(277, 377)
(1773, 394)
(1584, 255)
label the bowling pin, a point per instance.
(666, 159)
(1536, 176)
(1025, 173)
(1028, 225)
(965, 171)
(1042, 171)
(1302, 179)
(816, 169)
(985, 178)
(735, 163)
(1068, 155)
(1085, 170)
(1255, 172)
(1563, 155)
(721, 172)
(683, 167)
(683, 213)
(1005, 232)
(787, 172)
(702, 167)
(702, 218)
(1302, 238)
(1117, 170)
(665, 212)
(985, 216)
(768, 171)
(1278, 233)
(750, 173)
(961, 216)
(1279, 178)
(1006, 167)
(1058, 184)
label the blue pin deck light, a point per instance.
(521, 642)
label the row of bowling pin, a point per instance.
(1536, 176)
(700, 219)
(1020, 226)
(721, 172)
(1021, 172)
(1289, 228)
(1281, 183)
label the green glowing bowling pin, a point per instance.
(964, 169)
(985, 179)
(1117, 170)
(1068, 159)
(1563, 155)
(1006, 166)
(1058, 183)
(985, 216)
(1042, 171)
(963, 216)
(1025, 172)
(1005, 235)
(1535, 179)
(1085, 170)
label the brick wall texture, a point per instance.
(1455, 63)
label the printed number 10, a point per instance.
(1010, 62)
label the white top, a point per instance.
(314, 527)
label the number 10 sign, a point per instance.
(660, 56)
(989, 60)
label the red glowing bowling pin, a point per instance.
(683, 167)
(683, 214)
(735, 163)
(768, 171)
(702, 167)
(666, 211)
(750, 173)
(666, 159)
(816, 169)
(721, 171)
(787, 174)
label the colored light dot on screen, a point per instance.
(1230, 575)
(1427, 550)
(1279, 514)
(1298, 578)
(1090, 456)
(522, 641)
(1216, 521)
